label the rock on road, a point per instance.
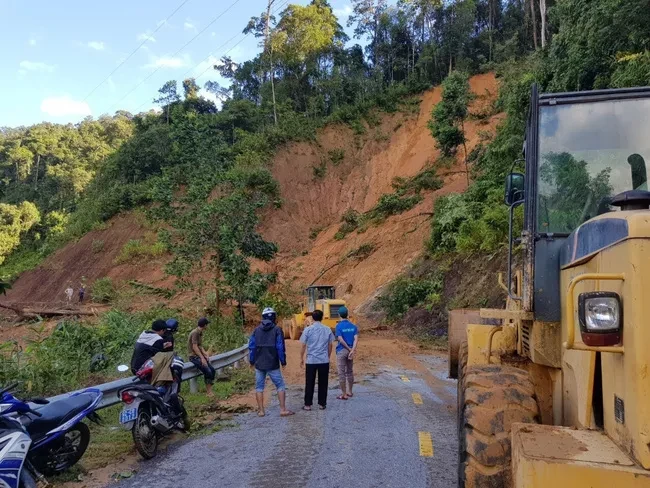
(379, 438)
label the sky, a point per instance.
(58, 57)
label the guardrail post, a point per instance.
(194, 385)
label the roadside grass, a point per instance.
(111, 444)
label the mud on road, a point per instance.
(399, 430)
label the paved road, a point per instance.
(372, 440)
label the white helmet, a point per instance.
(269, 314)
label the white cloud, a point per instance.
(97, 45)
(64, 106)
(168, 62)
(205, 67)
(209, 96)
(213, 34)
(22, 72)
(146, 36)
(344, 12)
(36, 66)
(32, 42)
(188, 25)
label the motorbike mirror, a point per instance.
(122, 368)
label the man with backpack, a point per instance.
(266, 352)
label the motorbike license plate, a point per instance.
(128, 415)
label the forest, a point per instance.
(202, 169)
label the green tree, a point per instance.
(447, 122)
(14, 221)
(168, 95)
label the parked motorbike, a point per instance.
(16, 471)
(59, 437)
(151, 412)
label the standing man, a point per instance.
(198, 356)
(82, 293)
(347, 335)
(317, 340)
(266, 353)
(69, 292)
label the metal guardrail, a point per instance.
(110, 389)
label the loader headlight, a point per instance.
(601, 317)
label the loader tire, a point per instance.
(493, 398)
(294, 334)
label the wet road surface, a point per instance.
(398, 431)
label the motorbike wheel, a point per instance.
(67, 454)
(185, 421)
(145, 436)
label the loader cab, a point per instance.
(581, 151)
(319, 293)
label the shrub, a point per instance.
(336, 156)
(97, 246)
(320, 171)
(393, 204)
(136, 249)
(349, 222)
(405, 293)
(103, 290)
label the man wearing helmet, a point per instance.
(266, 352)
(168, 337)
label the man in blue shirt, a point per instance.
(347, 335)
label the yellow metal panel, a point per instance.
(625, 376)
(503, 342)
(545, 456)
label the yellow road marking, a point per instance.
(417, 398)
(405, 379)
(426, 444)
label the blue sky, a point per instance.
(54, 53)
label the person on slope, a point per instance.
(347, 335)
(316, 349)
(266, 352)
(149, 344)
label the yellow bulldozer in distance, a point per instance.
(320, 297)
(557, 394)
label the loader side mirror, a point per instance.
(514, 189)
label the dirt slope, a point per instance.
(399, 145)
(404, 148)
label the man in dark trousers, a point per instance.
(266, 352)
(317, 340)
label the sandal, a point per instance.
(306, 408)
(287, 413)
(342, 397)
(260, 414)
(322, 407)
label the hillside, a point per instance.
(399, 146)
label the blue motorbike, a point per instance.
(47, 438)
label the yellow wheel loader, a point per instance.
(321, 297)
(557, 392)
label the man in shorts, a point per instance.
(266, 352)
(199, 357)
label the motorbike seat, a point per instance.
(58, 413)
